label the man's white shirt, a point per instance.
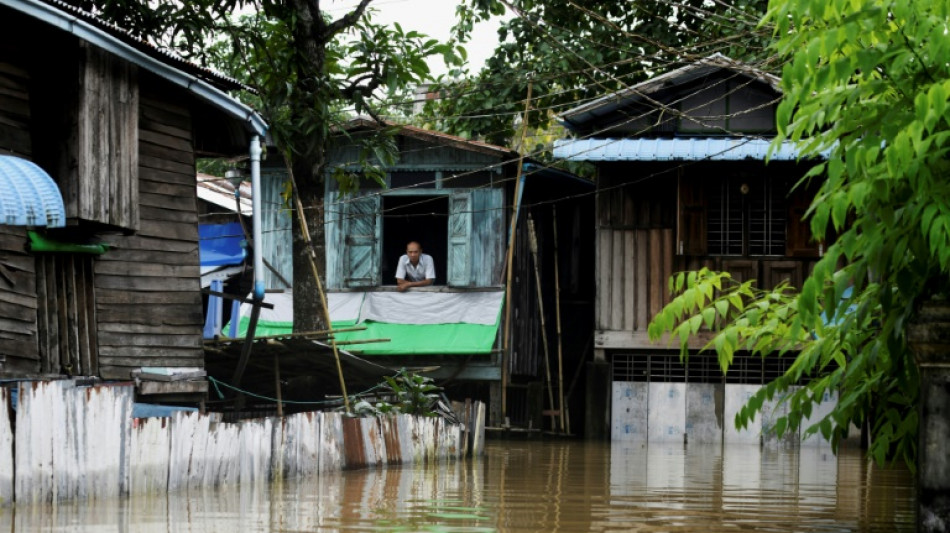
(422, 271)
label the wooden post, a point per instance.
(280, 403)
(929, 338)
(533, 242)
(506, 346)
(557, 314)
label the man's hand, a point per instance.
(402, 285)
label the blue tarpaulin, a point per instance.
(221, 244)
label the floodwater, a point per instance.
(534, 486)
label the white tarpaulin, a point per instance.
(419, 307)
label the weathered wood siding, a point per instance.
(633, 269)
(277, 245)
(635, 250)
(148, 299)
(19, 350)
(103, 183)
(489, 237)
(66, 314)
(14, 107)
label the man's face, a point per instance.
(413, 251)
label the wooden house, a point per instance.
(115, 126)
(682, 182)
(457, 197)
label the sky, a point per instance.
(432, 17)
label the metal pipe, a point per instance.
(255, 152)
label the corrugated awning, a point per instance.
(684, 149)
(30, 196)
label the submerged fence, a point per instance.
(82, 443)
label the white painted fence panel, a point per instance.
(6, 449)
(40, 418)
(81, 442)
(331, 446)
(72, 443)
(255, 439)
(151, 441)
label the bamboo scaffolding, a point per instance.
(308, 242)
(506, 345)
(557, 314)
(533, 243)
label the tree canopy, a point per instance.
(574, 51)
(868, 83)
(305, 67)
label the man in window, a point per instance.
(415, 269)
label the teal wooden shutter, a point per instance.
(459, 269)
(361, 263)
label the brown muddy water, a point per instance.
(518, 486)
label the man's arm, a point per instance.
(402, 284)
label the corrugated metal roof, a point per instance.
(679, 149)
(220, 192)
(30, 196)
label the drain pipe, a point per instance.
(255, 153)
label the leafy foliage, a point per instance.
(868, 84)
(570, 52)
(406, 393)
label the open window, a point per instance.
(414, 218)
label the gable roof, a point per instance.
(170, 68)
(583, 114)
(434, 137)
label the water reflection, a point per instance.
(534, 486)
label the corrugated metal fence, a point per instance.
(82, 443)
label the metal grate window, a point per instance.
(746, 217)
(700, 368)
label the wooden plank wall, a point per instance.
(104, 186)
(66, 315)
(82, 443)
(148, 297)
(633, 269)
(14, 108)
(19, 351)
(18, 347)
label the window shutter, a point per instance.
(800, 242)
(459, 270)
(361, 265)
(691, 230)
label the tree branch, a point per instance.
(344, 22)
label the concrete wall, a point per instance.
(701, 413)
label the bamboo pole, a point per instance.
(316, 275)
(506, 351)
(533, 243)
(557, 314)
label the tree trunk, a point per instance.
(308, 309)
